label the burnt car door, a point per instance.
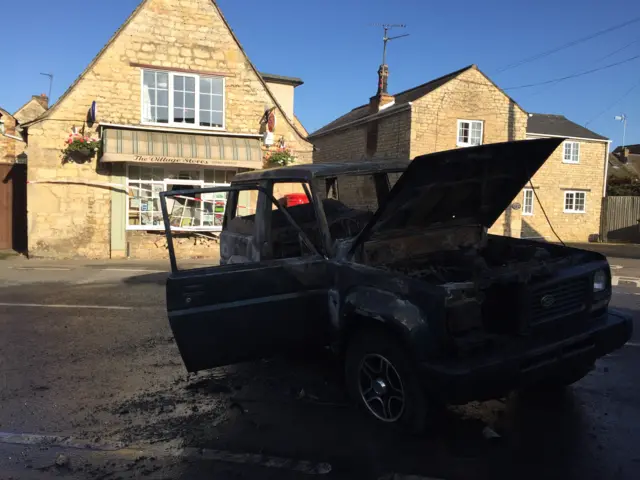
(254, 306)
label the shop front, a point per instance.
(148, 162)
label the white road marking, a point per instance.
(615, 280)
(134, 270)
(622, 292)
(632, 344)
(615, 267)
(42, 268)
(41, 305)
(303, 466)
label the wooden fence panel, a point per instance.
(621, 219)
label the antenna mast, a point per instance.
(383, 71)
(50, 75)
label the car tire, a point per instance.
(382, 380)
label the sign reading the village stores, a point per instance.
(185, 149)
(156, 159)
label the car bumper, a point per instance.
(495, 375)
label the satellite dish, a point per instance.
(93, 112)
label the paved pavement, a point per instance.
(90, 376)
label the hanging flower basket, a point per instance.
(80, 149)
(281, 157)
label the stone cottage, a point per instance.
(12, 184)
(465, 108)
(569, 187)
(174, 103)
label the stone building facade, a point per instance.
(31, 110)
(466, 108)
(570, 185)
(176, 104)
(427, 119)
(11, 143)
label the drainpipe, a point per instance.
(606, 168)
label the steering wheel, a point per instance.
(344, 228)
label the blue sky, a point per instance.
(332, 46)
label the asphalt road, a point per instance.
(90, 377)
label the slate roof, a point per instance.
(633, 149)
(401, 99)
(558, 125)
(272, 77)
(624, 170)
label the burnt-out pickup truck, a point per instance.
(391, 266)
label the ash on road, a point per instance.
(114, 377)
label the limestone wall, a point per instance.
(556, 177)
(189, 35)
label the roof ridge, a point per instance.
(119, 31)
(92, 63)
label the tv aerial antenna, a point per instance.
(386, 38)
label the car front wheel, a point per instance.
(382, 380)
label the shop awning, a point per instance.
(143, 146)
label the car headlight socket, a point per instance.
(599, 281)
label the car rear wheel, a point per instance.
(382, 380)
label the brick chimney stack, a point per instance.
(382, 97)
(42, 99)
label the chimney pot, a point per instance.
(381, 98)
(42, 99)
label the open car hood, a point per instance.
(466, 186)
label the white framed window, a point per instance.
(571, 152)
(575, 201)
(527, 201)
(199, 213)
(182, 100)
(469, 133)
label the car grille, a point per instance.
(553, 301)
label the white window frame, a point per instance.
(196, 125)
(572, 209)
(470, 122)
(527, 192)
(574, 147)
(165, 182)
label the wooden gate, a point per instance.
(620, 220)
(13, 207)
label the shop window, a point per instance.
(185, 100)
(202, 212)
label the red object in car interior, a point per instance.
(292, 199)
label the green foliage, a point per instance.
(623, 188)
(280, 157)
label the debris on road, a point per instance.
(62, 460)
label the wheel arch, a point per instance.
(372, 308)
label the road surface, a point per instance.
(90, 378)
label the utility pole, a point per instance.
(50, 75)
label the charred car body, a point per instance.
(401, 279)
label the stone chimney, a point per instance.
(42, 99)
(382, 97)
